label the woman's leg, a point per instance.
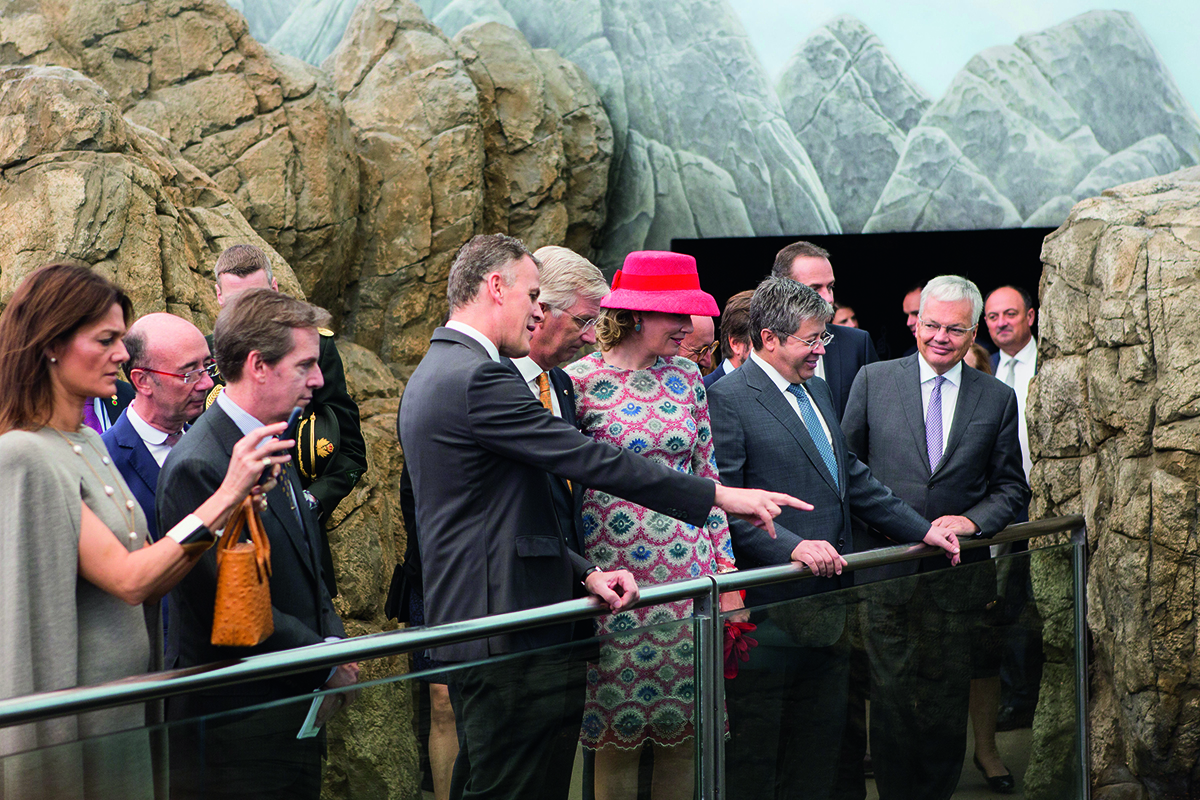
(443, 740)
(617, 773)
(674, 772)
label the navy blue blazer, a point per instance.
(850, 350)
(715, 375)
(136, 465)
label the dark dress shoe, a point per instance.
(1000, 784)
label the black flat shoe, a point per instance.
(1000, 784)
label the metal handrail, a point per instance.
(154, 686)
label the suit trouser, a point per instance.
(786, 707)
(253, 755)
(518, 726)
(920, 663)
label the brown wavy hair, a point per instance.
(49, 306)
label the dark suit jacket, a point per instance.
(136, 465)
(481, 449)
(761, 442)
(850, 350)
(980, 474)
(301, 607)
(715, 375)
(349, 460)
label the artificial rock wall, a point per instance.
(143, 137)
(1115, 430)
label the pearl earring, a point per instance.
(53, 360)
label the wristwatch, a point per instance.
(588, 572)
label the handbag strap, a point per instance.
(258, 535)
(233, 530)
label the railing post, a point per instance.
(1079, 562)
(710, 673)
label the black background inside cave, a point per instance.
(874, 270)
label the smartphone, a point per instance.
(293, 420)
(288, 433)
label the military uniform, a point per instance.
(330, 454)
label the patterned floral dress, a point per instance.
(644, 687)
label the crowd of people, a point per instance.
(675, 449)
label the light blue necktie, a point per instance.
(815, 431)
(933, 424)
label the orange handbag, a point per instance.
(242, 613)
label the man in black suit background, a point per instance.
(943, 437)
(266, 345)
(851, 348)
(774, 426)
(483, 454)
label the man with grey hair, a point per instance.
(775, 426)
(943, 437)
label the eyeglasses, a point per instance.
(585, 325)
(954, 331)
(190, 377)
(824, 339)
(701, 352)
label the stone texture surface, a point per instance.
(416, 118)
(695, 88)
(850, 105)
(547, 139)
(1062, 114)
(263, 125)
(1103, 64)
(313, 29)
(936, 187)
(1116, 406)
(78, 181)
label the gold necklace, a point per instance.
(127, 508)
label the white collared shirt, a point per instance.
(1025, 363)
(782, 384)
(488, 345)
(530, 371)
(154, 439)
(953, 378)
(728, 366)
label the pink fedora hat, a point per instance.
(656, 280)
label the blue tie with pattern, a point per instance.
(815, 431)
(933, 424)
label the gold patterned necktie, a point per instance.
(543, 384)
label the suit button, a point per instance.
(841, 543)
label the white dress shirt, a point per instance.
(783, 385)
(154, 439)
(728, 366)
(530, 371)
(953, 378)
(1023, 366)
(487, 343)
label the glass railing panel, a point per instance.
(876, 690)
(527, 720)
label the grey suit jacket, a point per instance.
(980, 474)
(300, 603)
(481, 450)
(850, 350)
(761, 442)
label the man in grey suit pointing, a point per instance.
(482, 452)
(775, 426)
(943, 437)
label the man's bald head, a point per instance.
(162, 349)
